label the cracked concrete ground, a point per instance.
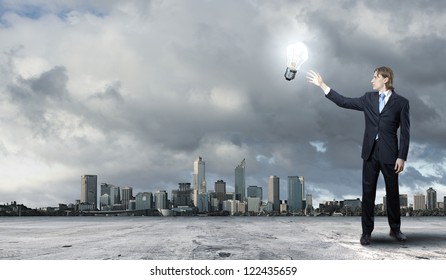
(216, 238)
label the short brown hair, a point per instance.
(386, 72)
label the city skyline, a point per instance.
(131, 91)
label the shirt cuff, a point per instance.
(327, 90)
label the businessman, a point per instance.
(385, 111)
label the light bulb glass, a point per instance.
(297, 54)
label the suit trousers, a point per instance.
(370, 173)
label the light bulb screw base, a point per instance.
(290, 74)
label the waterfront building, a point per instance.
(352, 203)
(403, 201)
(115, 195)
(220, 192)
(254, 204)
(89, 190)
(203, 202)
(126, 196)
(273, 192)
(254, 191)
(105, 188)
(182, 196)
(198, 179)
(284, 207)
(431, 199)
(144, 201)
(230, 206)
(161, 201)
(419, 202)
(295, 193)
(239, 182)
(104, 201)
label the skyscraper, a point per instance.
(273, 192)
(89, 189)
(115, 195)
(254, 191)
(198, 179)
(143, 200)
(161, 201)
(126, 196)
(220, 192)
(295, 194)
(239, 182)
(182, 196)
(431, 201)
(419, 202)
(403, 200)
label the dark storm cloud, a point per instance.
(163, 83)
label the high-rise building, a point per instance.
(295, 194)
(239, 182)
(126, 196)
(403, 200)
(254, 191)
(115, 195)
(198, 179)
(431, 199)
(203, 202)
(89, 190)
(182, 196)
(105, 188)
(273, 192)
(104, 201)
(254, 204)
(220, 192)
(161, 201)
(309, 199)
(143, 200)
(419, 202)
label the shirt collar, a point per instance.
(386, 93)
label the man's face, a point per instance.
(378, 82)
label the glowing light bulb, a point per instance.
(297, 54)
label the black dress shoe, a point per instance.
(366, 238)
(398, 235)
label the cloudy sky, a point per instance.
(135, 91)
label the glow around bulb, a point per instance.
(297, 54)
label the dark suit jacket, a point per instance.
(394, 115)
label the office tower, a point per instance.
(198, 179)
(203, 201)
(431, 199)
(254, 204)
(182, 196)
(239, 183)
(220, 192)
(419, 202)
(309, 199)
(254, 191)
(143, 201)
(403, 200)
(273, 192)
(295, 197)
(115, 195)
(161, 201)
(89, 190)
(105, 188)
(126, 196)
(104, 201)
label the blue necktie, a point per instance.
(381, 101)
(381, 106)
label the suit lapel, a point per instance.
(390, 102)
